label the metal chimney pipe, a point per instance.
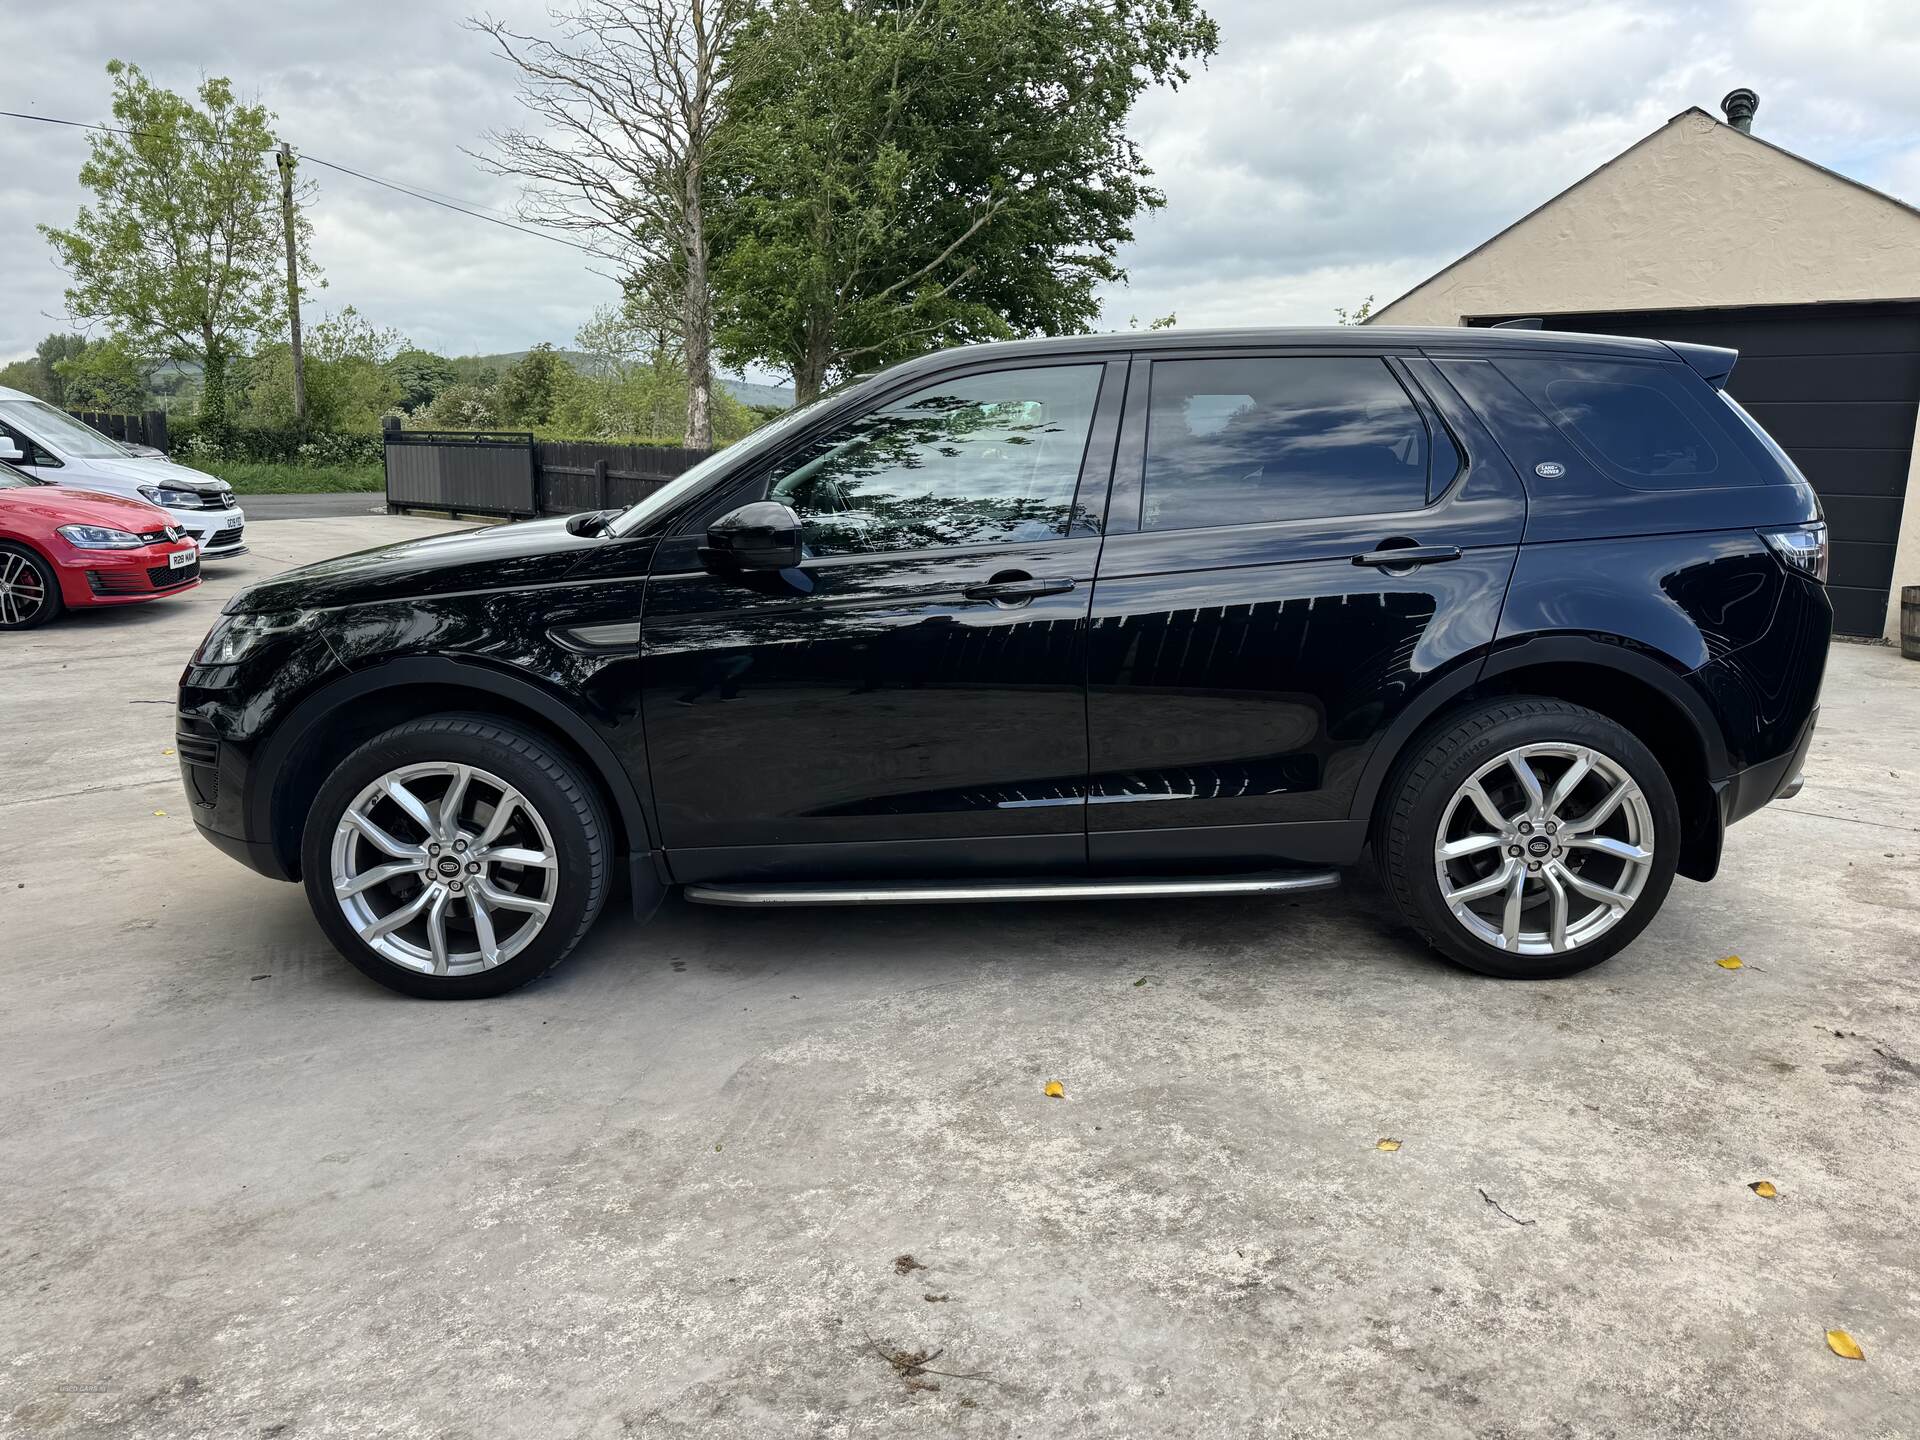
(1739, 106)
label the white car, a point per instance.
(44, 440)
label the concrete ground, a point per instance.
(673, 1190)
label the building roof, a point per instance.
(1601, 169)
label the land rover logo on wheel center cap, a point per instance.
(1539, 845)
(1549, 469)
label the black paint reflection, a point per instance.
(882, 704)
(1212, 703)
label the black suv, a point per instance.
(1533, 616)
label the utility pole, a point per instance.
(285, 161)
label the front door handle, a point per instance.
(1406, 557)
(1017, 589)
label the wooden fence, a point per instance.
(147, 428)
(567, 475)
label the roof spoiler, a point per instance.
(1712, 363)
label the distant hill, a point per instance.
(747, 392)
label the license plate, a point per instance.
(236, 517)
(181, 559)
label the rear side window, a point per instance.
(1637, 422)
(1239, 441)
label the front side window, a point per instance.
(1245, 440)
(982, 459)
(59, 430)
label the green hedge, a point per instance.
(192, 440)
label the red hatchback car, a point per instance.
(63, 548)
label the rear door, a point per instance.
(1254, 633)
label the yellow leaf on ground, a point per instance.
(1732, 962)
(167, 751)
(1055, 1090)
(1388, 1145)
(1844, 1345)
(161, 813)
(1764, 1189)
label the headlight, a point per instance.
(178, 499)
(234, 637)
(99, 537)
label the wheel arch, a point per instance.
(1646, 694)
(328, 724)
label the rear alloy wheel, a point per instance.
(29, 591)
(1532, 840)
(456, 857)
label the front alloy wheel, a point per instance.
(457, 856)
(443, 868)
(29, 593)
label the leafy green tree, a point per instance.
(1357, 316)
(901, 174)
(349, 386)
(102, 375)
(181, 253)
(526, 393)
(461, 406)
(39, 374)
(420, 375)
(24, 375)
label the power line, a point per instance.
(343, 169)
(449, 205)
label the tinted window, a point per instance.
(1235, 441)
(972, 461)
(1634, 419)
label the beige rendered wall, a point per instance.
(1696, 215)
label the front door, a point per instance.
(1253, 634)
(911, 697)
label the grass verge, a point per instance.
(254, 478)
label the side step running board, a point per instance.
(1274, 882)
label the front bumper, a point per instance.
(124, 577)
(216, 777)
(220, 534)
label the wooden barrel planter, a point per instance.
(1910, 621)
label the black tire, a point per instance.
(50, 604)
(1442, 760)
(568, 803)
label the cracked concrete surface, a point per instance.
(243, 1191)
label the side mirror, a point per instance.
(762, 536)
(11, 451)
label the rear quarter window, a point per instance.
(1639, 424)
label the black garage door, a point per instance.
(1837, 385)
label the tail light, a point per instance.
(1801, 547)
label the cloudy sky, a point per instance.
(1329, 152)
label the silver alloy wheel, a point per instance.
(444, 868)
(1544, 849)
(22, 591)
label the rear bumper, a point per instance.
(1745, 791)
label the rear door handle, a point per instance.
(1406, 557)
(1017, 592)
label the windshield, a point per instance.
(59, 431)
(12, 479)
(669, 496)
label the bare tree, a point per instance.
(629, 95)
